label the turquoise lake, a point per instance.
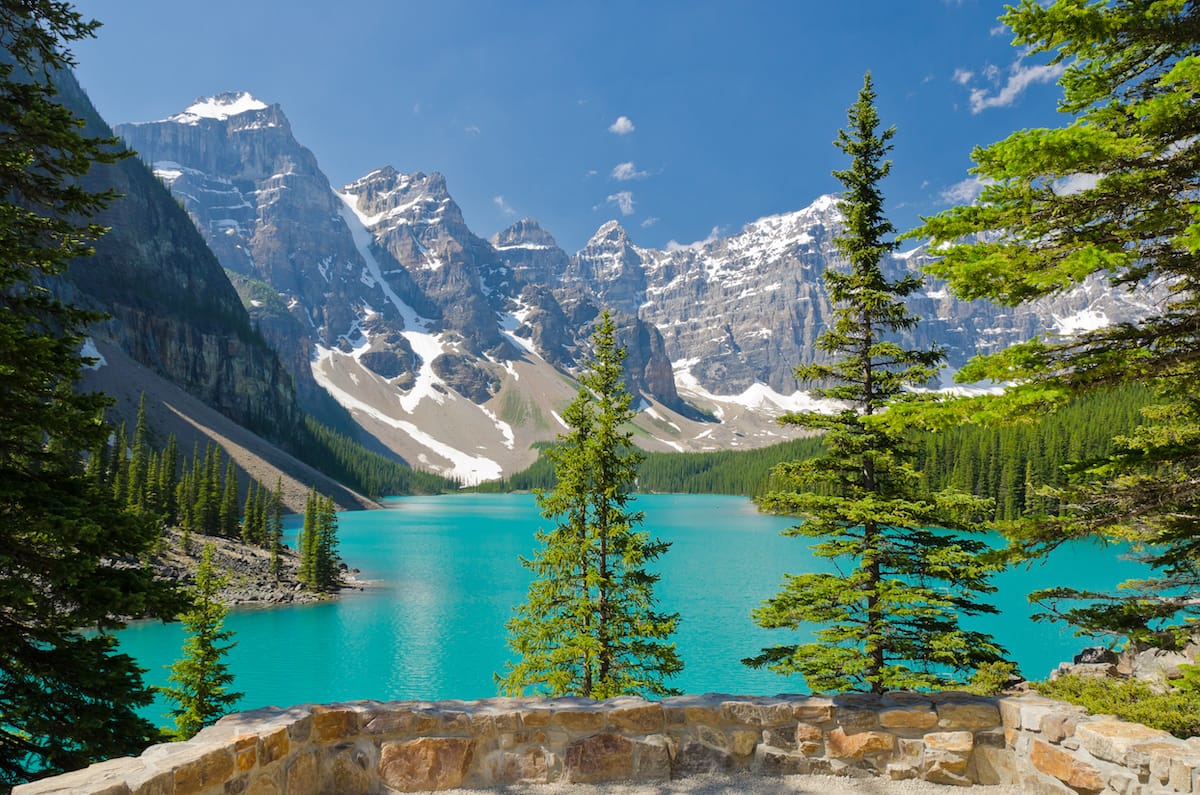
(445, 574)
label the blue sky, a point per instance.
(676, 118)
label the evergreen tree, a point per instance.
(1111, 195)
(317, 543)
(66, 698)
(200, 679)
(228, 520)
(274, 528)
(120, 465)
(889, 617)
(249, 527)
(325, 557)
(589, 626)
(168, 479)
(306, 542)
(138, 462)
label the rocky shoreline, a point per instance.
(247, 567)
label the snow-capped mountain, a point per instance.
(456, 351)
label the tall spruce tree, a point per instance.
(1111, 195)
(200, 679)
(66, 698)
(228, 513)
(325, 556)
(890, 617)
(306, 542)
(589, 626)
(139, 460)
(274, 527)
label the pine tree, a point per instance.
(228, 520)
(249, 528)
(200, 679)
(67, 698)
(138, 463)
(317, 543)
(589, 626)
(120, 465)
(306, 542)
(1111, 195)
(889, 617)
(168, 480)
(274, 528)
(325, 557)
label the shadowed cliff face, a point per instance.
(172, 306)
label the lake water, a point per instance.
(447, 574)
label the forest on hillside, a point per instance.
(1009, 463)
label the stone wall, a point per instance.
(369, 747)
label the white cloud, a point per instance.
(999, 30)
(965, 191)
(503, 205)
(1019, 78)
(471, 129)
(699, 244)
(623, 200)
(651, 221)
(416, 108)
(591, 173)
(1076, 183)
(627, 171)
(963, 76)
(622, 126)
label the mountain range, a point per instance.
(455, 352)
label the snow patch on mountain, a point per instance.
(511, 321)
(425, 345)
(220, 107)
(1082, 321)
(468, 468)
(90, 351)
(505, 429)
(757, 397)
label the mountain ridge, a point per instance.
(426, 332)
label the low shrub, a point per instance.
(1176, 711)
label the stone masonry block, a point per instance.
(840, 745)
(273, 746)
(599, 759)
(1075, 773)
(1111, 739)
(910, 717)
(968, 715)
(579, 721)
(815, 709)
(212, 769)
(331, 726)
(642, 719)
(772, 761)
(696, 758)
(302, 775)
(757, 714)
(427, 763)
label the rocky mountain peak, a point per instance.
(390, 198)
(526, 233)
(609, 236)
(219, 107)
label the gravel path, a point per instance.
(751, 785)
(730, 784)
